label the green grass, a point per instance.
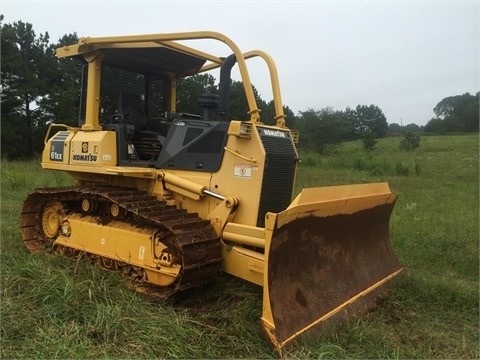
(58, 308)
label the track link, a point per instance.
(189, 235)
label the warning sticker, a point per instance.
(141, 252)
(242, 171)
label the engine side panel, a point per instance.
(194, 145)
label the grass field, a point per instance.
(58, 308)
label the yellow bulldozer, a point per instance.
(170, 199)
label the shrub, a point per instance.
(369, 141)
(410, 141)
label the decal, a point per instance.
(107, 157)
(242, 170)
(141, 252)
(56, 150)
(57, 145)
(87, 157)
(84, 147)
(275, 133)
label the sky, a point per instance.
(403, 56)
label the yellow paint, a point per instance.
(90, 155)
(243, 263)
(121, 242)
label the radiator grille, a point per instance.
(279, 173)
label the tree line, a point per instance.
(37, 89)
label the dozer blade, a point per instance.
(328, 259)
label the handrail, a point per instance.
(277, 97)
(250, 159)
(53, 125)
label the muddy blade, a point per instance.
(328, 261)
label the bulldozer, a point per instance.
(171, 199)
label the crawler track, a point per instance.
(192, 239)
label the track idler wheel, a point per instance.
(52, 219)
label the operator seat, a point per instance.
(131, 108)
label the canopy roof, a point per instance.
(153, 60)
(166, 53)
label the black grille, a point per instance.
(279, 173)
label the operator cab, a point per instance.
(138, 102)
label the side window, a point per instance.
(114, 82)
